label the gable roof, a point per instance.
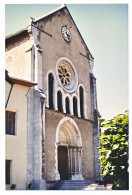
(50, 13)
(56, 10)
(20, 35)
(16, 33)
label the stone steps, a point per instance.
(79, 185)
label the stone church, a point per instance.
(61, 105)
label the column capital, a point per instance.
(70, 149)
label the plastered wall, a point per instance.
(18, 60)
(16, 145)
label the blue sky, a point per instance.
(104, 28)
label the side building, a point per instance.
(16, 132)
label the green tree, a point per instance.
(114, 151)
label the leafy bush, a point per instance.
(114, 151)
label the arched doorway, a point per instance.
(68, 150)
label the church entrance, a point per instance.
(68, 150)
(63, 162)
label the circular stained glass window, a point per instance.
(66, 73)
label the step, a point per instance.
(76, 182)
(79, 185)
(71, 189)
(84, 188)
(74, 186)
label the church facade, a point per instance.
(62, 126)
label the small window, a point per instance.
(67, 105)
(81, 91)
(75, 106)
(51, 85)
(59, 101)
(8, 171)
(10, 123)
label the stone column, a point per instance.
(69, 159)
(64, 103)
(79, 115)
(75, 160)
(96, 133)
(57, 175)
(55, 94)
(73, 176)
(36, 140)
(80, 177)
(71, 107)
(80, 161)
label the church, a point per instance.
(52, 107)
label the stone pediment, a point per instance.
(64, 12)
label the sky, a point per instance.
(104, 28)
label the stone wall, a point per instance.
(35, 140)
(95, 115)
(52, 120)
(56, 47)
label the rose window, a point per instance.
(67, 75)
(64, 74)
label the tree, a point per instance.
(114, 151)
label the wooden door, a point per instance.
(63, 162)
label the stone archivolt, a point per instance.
(69, 136)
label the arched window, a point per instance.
(50, 91)
(67, 105)
(59, 101)
(75, 106)
(81, 93)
